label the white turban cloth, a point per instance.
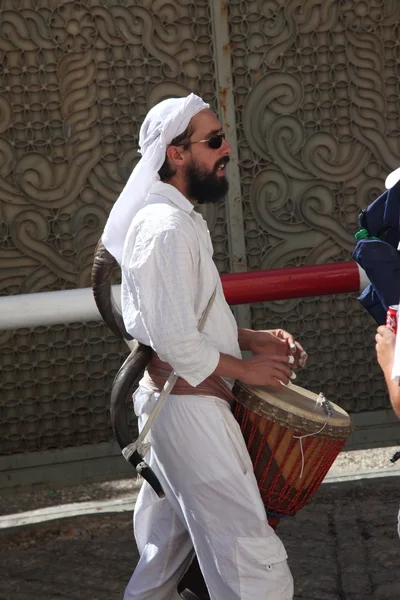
(163, 123)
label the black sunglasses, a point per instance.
(214, 142)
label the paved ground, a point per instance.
(343, 546)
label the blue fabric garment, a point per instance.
(376, 252)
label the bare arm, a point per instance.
(385, 344)
(262, 369)
(244, 338)
(394, 394)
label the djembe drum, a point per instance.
(293, 437)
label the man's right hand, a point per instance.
(267, 369)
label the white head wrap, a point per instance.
(163, 123)
(392, 179)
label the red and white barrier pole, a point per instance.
(293, 282)
(67, 306)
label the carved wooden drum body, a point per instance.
(293, 437)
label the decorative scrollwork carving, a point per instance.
(76, 82)
(316, 88)
(317, 99)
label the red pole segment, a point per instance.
(291, 282)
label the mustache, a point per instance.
(221, 163)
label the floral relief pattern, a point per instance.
(76, 81)
(316, 87)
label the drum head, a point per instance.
(295, 408)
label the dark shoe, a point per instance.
(188, 595)
(192, 585)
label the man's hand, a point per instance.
(274, 341)
(268, 369)
(385, 342)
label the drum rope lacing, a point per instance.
(328, 411)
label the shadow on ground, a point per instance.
(342, 546)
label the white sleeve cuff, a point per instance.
(203, 369)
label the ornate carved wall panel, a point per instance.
(316, 86)
(76, 80)
(55, 386)
(317, 103)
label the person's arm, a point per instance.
(164, 272)
(274, 341)
(263, 369)
(163, 269)
(385, 344)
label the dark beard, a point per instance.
(205, 187)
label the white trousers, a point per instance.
(212, 505)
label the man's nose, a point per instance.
(226, 148)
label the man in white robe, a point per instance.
(212, 504)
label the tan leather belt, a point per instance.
(158, 371)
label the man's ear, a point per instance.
(176, 155)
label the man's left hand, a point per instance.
(277, 341)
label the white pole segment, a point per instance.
(49, 308)
(70, 306)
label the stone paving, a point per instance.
(343, 546)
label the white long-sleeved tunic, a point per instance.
(212, 501)
(168, 277)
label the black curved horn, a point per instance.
(132, 369)
(103, 265)
(123, 387)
